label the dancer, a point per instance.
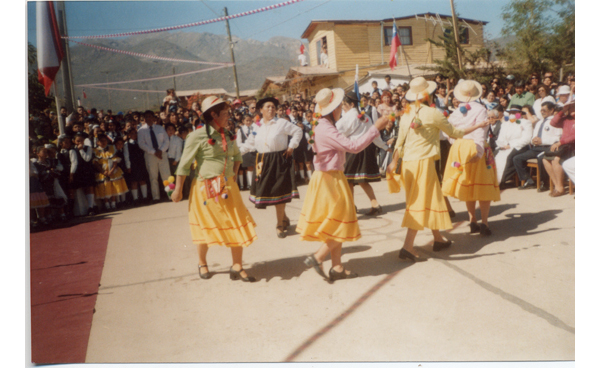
(328, 213)
(273, 181)
(217, 214)
(361, 168)
(418, 145)
(470, 172)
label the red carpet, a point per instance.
(66, 265)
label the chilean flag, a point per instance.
(49, 49)
(394, 47)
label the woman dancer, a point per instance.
(217, 213)
(273, 181)
(470, 172)
(328, 214)
(418, 145)
(361, 168)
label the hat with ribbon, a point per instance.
(328, 100)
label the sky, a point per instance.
(85, 18)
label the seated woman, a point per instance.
(562, 150)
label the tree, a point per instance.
(37, 97)
(477, 65)
(545, 35)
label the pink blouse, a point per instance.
(331, 146)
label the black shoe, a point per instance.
(485, 230)
(204, 276)
(529, 184)
(404, 254)
(311, 261)
(91, 212)
(334, 275)
(437, 246)
(543, 188)
(375, 211)
(235, 275)
(474, 227)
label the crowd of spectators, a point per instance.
(58, 160)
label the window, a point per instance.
(463, 37)
(405, 34)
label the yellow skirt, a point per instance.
(328, 210)
(425, 206)
(224, 222)
(108, 189)
(470, 181)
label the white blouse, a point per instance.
(272, 136)
(351, 127)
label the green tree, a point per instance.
(544, 33)
(37, 99)
(477, 65)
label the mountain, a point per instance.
(255, 61)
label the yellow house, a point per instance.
(366, 43)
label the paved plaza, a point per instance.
(510, 296)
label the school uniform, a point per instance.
(174, 152)
(134, 161)
(248, 152)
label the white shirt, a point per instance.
(175, 148)
(388, 87)
(273, 136)
(145, 142)
(550, 134)
(515, 135)
(324, 60)
(247, 131)
(303, 60)
(352, 128)
(537, 105)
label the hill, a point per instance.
(255, 60)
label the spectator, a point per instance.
(175, 147)
(513, 139)
(110, 182)
(544, 136)
(561, 150)
(375, 89)
(521, 97)
(387, 84)
(153, 140)
(324, 57)
(542, 96)
(562, 95)
(135, 167)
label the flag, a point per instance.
(394, 47)
(301, 48)
(49, 49)
(356, 84)
(84, 95)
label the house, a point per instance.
(366, 43)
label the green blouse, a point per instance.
(210, 158)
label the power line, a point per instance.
(287, 20)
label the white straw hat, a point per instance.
(468, 91)
(211, 101)
(418, 87)
(328, 100)
(563, 90)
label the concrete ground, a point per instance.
(508, 297)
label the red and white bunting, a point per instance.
(49, 50)
(164, 29)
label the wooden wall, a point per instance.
(351, 44)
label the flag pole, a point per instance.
(61, 119)
(407, 66)
(66, 64)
